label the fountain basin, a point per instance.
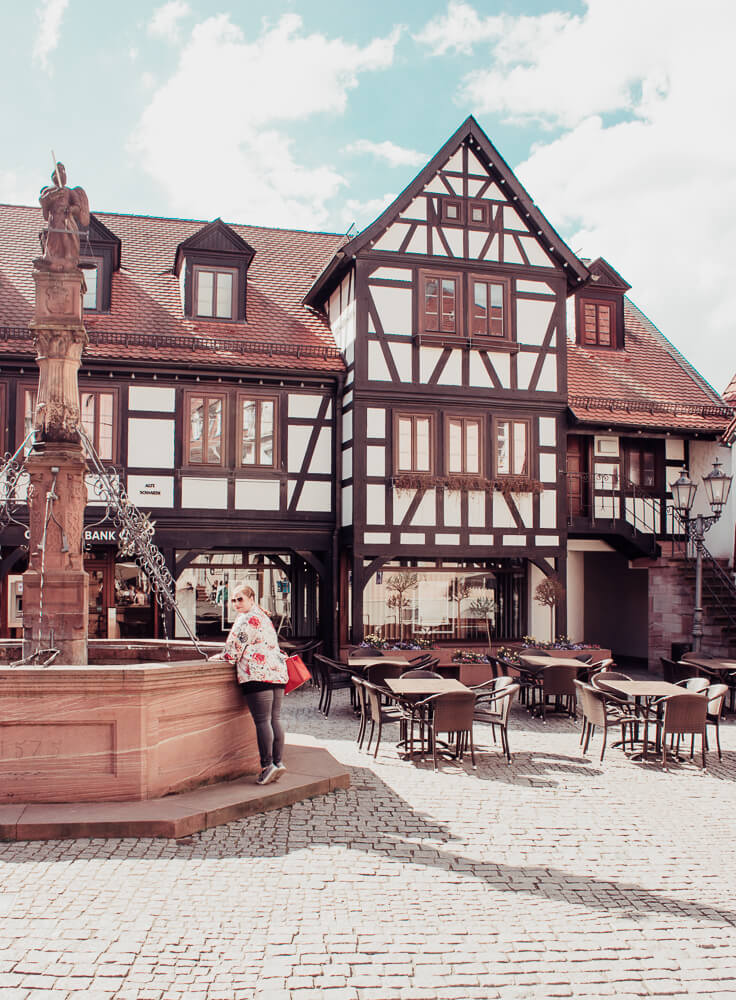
(132, 731)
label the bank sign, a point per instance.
(100, 536)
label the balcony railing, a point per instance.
(606, 503)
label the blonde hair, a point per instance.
(245, 589)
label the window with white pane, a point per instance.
(257, 431)
(463, 445)
(205, 422)
(413, 443)
(512, 447)
(215, 292)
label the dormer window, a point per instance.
(597, 323)
(99, 258)
(600, 308)
(212, 266)
(215, 292)
(93, 278)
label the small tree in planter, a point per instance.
(549, 593)
(398, 600)
(484, 607)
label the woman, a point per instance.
(261, 671)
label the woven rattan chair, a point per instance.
(695, 685)
(493, 705)
(378, 714)
(379, 673)
(450, 713)
(674, 672)
(333, 676)
(558, 682)
(599, 680)
(683, 715)
(421, 672)
(600, 709)
(716, 697)
(362, 701)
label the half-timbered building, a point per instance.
(402, 433)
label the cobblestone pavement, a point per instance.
(554, 877)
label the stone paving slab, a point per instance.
(554, 876)
(311, 771)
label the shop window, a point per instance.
(512, 447)
(413, 443)
(463, 445)
(439, 302)
(205, 416)
(257, 431)
(488, 308)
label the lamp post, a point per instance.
(717, 487)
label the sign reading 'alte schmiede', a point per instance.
(100, 536)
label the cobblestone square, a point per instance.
(555, 876)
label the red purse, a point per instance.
(298, 673)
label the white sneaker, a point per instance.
(268, 774)
(280, 769)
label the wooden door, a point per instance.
(577, 476)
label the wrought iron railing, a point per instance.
(719, 588)
(605, 501)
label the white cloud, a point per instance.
(210, 136)
(642, 166)
(395, 156)
(16, 189)
(362, 213)
(50, 14)
(165, 21)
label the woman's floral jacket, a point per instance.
(254, 649)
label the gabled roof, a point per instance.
(146, 322)
(604, 276)
(97, 232)
(648, 384)
(216, 237)
(471, 132)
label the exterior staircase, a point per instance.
(719, 600)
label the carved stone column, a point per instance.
(55, 586)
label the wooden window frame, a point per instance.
(413, 417)
(527, 474)
(448, 199)
(484, 223)
(205, 395)
(505, 284)
(613, 323)
(260, 398)
(97, 391)
(628, 447)
(427, 274)
(99, 266)
(464, 421)
(215, 269)
(95, 387)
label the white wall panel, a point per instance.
(418, 242)
(511, 253)
(524, 367)
(539, 287)
(394, 308)
(315, 497)
(547, 540)
(478, 374)
(151, 443)
(426, 513)
(347, 425)
(452, 373)
(502, 367)
(674, 450)
(298, 438)
(513, 540)
(376, 537)
(547, 467)
(480, 540)
(375, 460)
(454, 238)
(394, 273)
(156, 398)
(476, 509)
(493, 249)
(401, 502)
(401, 354)
(206, 493)
(576, 596)
(476, 241)
(321, 463)
(455, 163)
(347, 463)
(532, 319)
(412, 538)
(512, 220)
(417, 209)
(375, 503)
(537, 256)
(376, 422)
(445, 539)
(523, 503)
(393, 237)
(151, 491)
(548, 375)
(547, 432)
(377, 367)
(548, 509)
(347, 505)
(306, 407)
(502, 517)
(257, 494)
(452, 504)
(428, 357)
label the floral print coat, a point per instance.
(254, 649)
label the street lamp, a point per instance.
(717, 487)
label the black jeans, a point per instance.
(264, 701)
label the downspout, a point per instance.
(338, 517)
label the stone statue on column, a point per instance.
(55, 585)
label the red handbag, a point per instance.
(298, 673)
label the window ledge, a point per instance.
(467, 344)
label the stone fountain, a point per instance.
(81, 730)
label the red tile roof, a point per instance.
(146, 321)
(648, 384)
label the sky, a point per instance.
(617, 116)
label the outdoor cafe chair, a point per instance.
(361, 698)
(599, 680)
(558, 682)
(674, 672)
(601, 709)
(716, 696)
(595, 667)
(333, 676)
(379, 673)
(682, 715)
(421, 672)
(493, 704)
(696, 685)
(379, 713)
(451, 713)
